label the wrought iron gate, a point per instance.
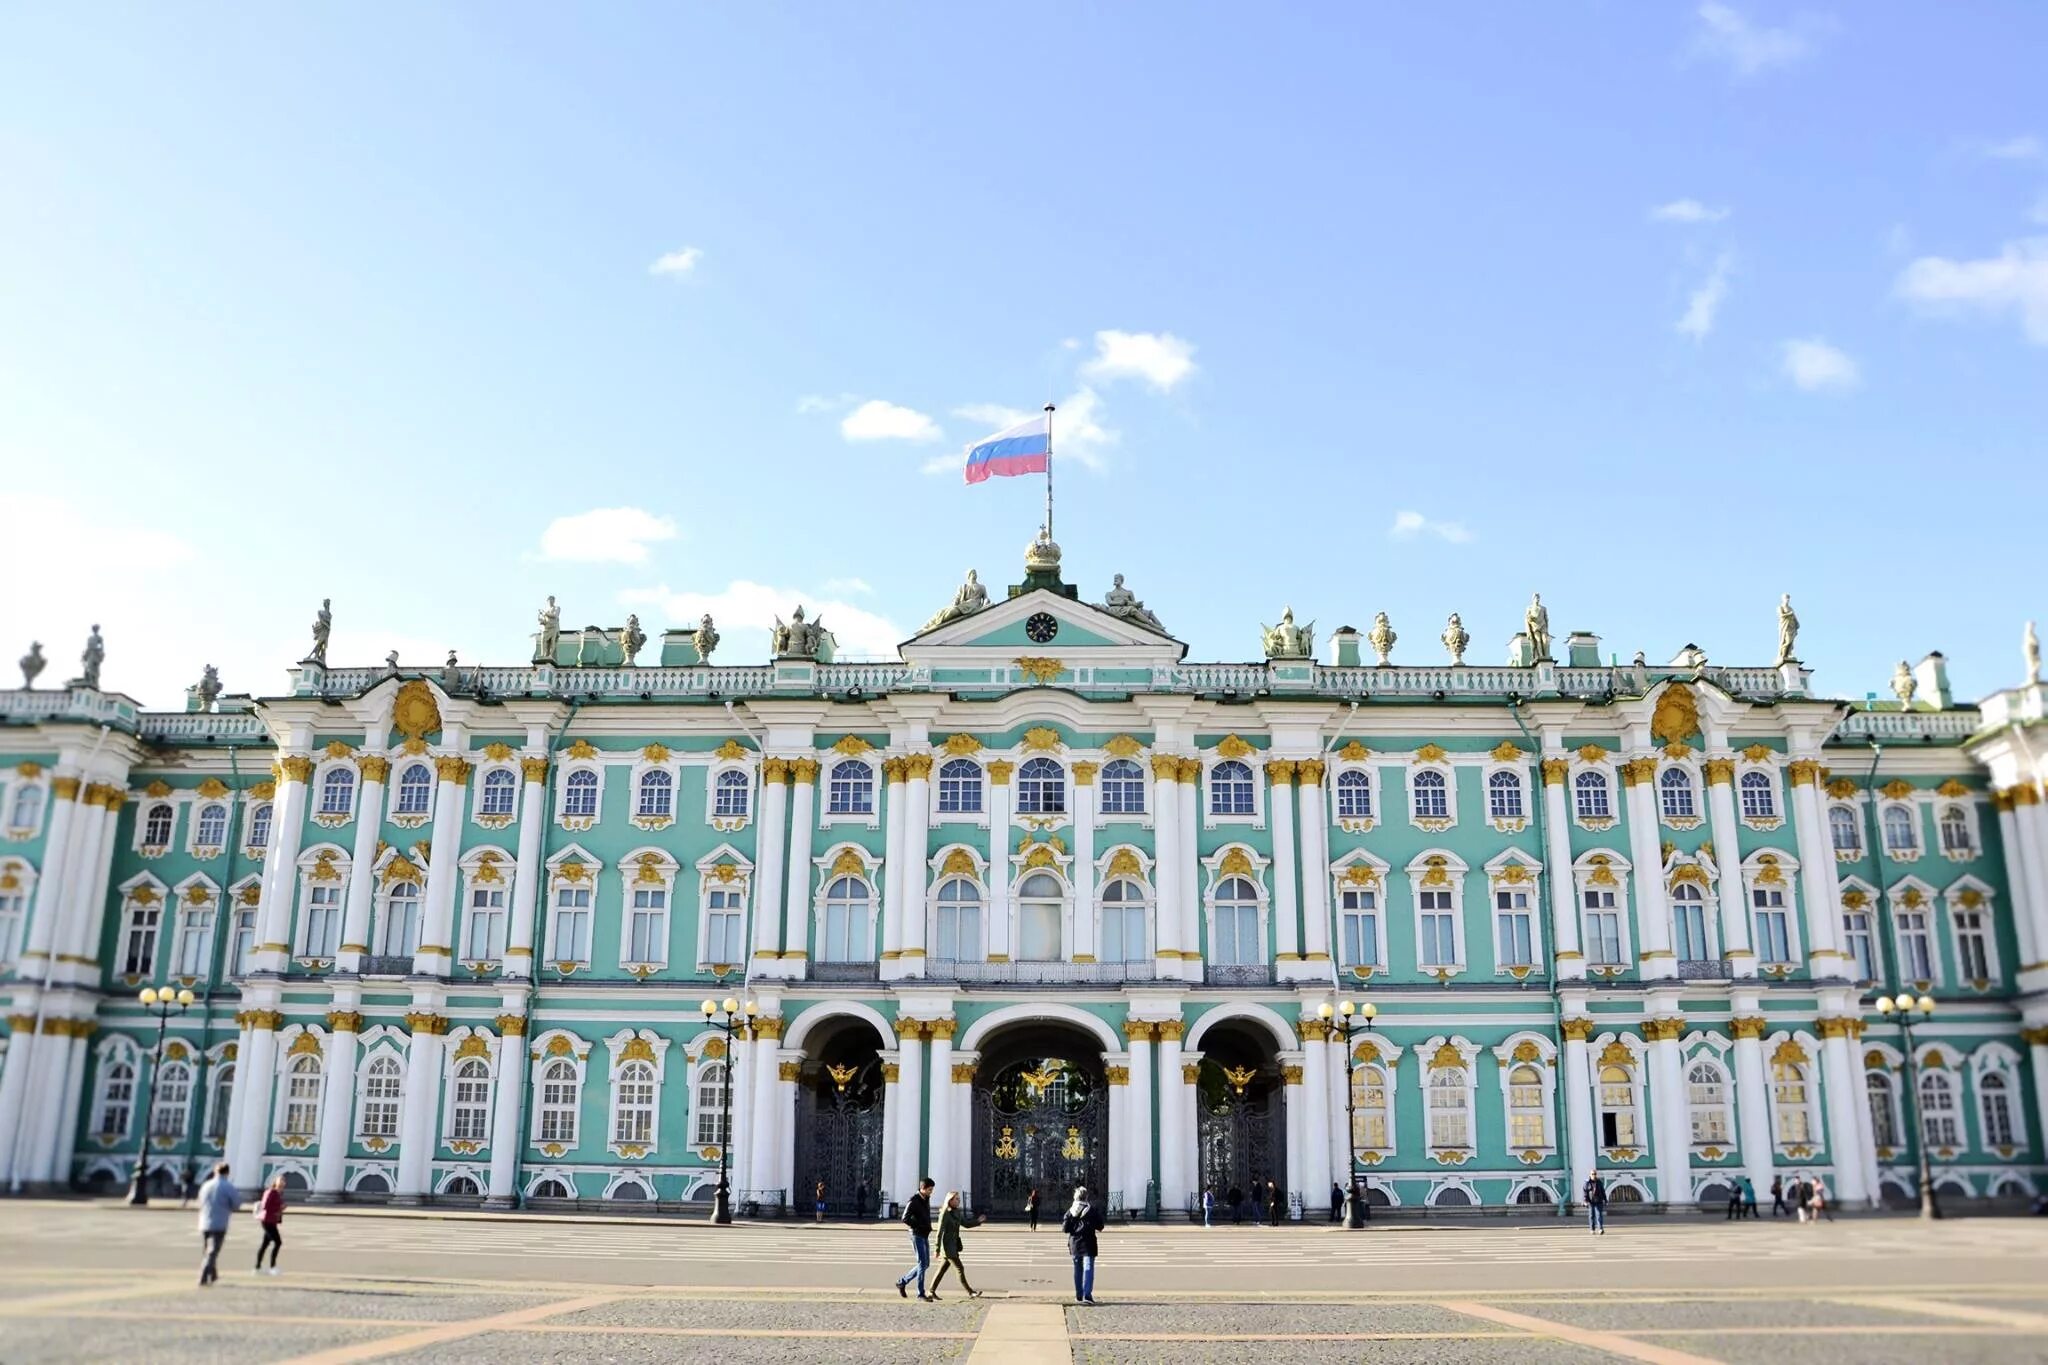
(1240, 1132)
(1040, 1123)
(839, 1141)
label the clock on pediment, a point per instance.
(1041, 626)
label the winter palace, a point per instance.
(1038, 902)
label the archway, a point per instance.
(1241, 1120)
(1041, 1117)
(840, 1120)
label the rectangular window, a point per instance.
(1439, 930)
(195, 942)
(323, 920)
(1123, 934)
(244, 949)
(1689, 930)
(1449, 1124)
(1603, 928)
(1361, 928)
(1511, 915)
(571, 936)
(1973, 955)
(1038, 926)
(647, 927)
(1916, 947)
(1773, 931)
(722, 928)
(138, 956)
(13, 911)
(486, 938)
(1856, 931)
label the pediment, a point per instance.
(1080, 629)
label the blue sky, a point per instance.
(1662, 309)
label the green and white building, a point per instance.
(1039, 901)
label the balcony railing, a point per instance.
(1245, 974)
(391, 964)
(1704, 969)
(1037, 973)
(846, 971)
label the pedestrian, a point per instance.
(1208, 1206)
(952, 1218)
(1749, 1198)
(917, 1216)
(218, 1200)
(1273, 1202)
(1082, 1222)
(270, 1217)
(1778, 1197)
(1336, 1202)
(1802, 1195)
(860, 1200)
(1734, 1199)
(1822, 1206)
(1030, 1209)
(818, 1206)
(1596, 1204)
(1236, 1206)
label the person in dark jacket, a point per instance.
(1336, 1202)
(1595, 1195)
(1778, 1197)
(1273, 1202)
(952, 1218)
(1236, 1204)
(1082, 1222)
(917, 1216)
(270, 1217)
(1031, 1208)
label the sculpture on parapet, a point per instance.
(798, 639)
(391, 664)
(550, 633)
(323, 625)
(632, 639)
(451, 674)
(707, 637)
(2030, 645)
(208, 689)
(1788, 630)
(1456, 638)
(95, 654)
(1904, 684)
(33, 663)
(1639, 676)
(971, 598)
(1381, 637)
(1287, 640)
(1536, 625)
(1121, 601)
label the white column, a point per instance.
(944, 1164)
(1671, 1136)
(1138, 1108)
(1578, 1103)
(1188, 873)
(1817, 872)
(783, 1111)
(1752, 1097)
(1315, 1179)
(796, 929)
(22, 1051)
(1337, 1094)
(739, 1113)
(1314, 827)
(892, 1126)
(362, 869)
(50, 881)
(910, 1107)
(102, 871)
(2022, 893)
(420, 1122)
(526, 879)
(1866, 1132)
(1735, 940)
(2036, 1039)
(88, 841)
(917, 816)
(1122, 1148)
(1176, 1114)
(1557, 850)
(1293, 1079)
(280, 870)
(1001, 947)
(73, 1101)
(767, 1043)
(1086, 942)
(1286, 908)
(338, 1100)
(1166, 892)
(1653, 915)
(508, 1106)
(895, 839)
(439, 931)
(768, 869)
(1842, 1081)
(965, 1064)
(38, 1159)
(249, 1106)
(2033, 841)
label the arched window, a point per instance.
(633, 1120)
(1674, 792)
(377, 1110)
(1884, 1114)
(1234, 934)
(959, 927)
(1504, 796)
(500, 785)
(1449, 1115)
(217, 1107)
(1041, 787)
(462, 1186)
(1590, 790)
(1617, 1107)
(1527, 1111)
(1845, 832)
(851, 790)
(302, 1085)
(1372, 1119)
(469, 1110)
(731, 791)
(657, 795)
(1706, 1093)
(1354, 796)
(579, 795)
(1901, 831)
(1431, 795)
(1040, 906)
(1123, 787)
(338, 791)
(259, 825)
(1123, 922)
(1759, 797)
(1689, 922)
(1955, 830)
(550, 1189)
(1230, 789)
(415, 789)
(960, 787)
(714, 1124)
(211, 828)
(1994, 1100)
(156, 826)
(1624, 1194)
(116, 1104)
(370, 1182)
(1532, 1194)
(170, 1108)
(398, 924)
(848, 935)
(1938, 1109)
(1789, 1103)
(28, 806)
(560, 1096)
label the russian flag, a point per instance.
(1023, 449)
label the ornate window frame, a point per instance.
(469, 1044)
(112, 1050)
(1368, 775)
(1696, 789)
(497, 759)
(1437, 1055)
(295, 1044)
(401, 766)
(579, 758)
(1898, 796)
(1854, 810)
(1359, 871)
(338, 760)
(1124, 749)
(141, 895)
(1996, 1058)
(395, 868)
(1506, 758)
(209, 794)
(558, 1044)
(847, 859)
(1375, 1050)
(1952, 799)
(1775, 870)
(219, 1073)
(489, 870)
(18, 879)
(1528, 1048)
(646, 869)
(1690, 869)
(260, 799)
(1606, 870)
(1239, 861)
(1124, 863)
(1431, 758)
(1913, 896)
(724, 870)
(1795, 1047)
(728, 762)
(1514, 872)
(1232, 749)
(1439, 869)
(158, 797)
(1886, 1060)
(704, 1052)
(575, 868)
(1969, 895)
(1044, 857)
(1758, 758)
(955, 862)
(851, 749)
(1859, 899)
(1941, 1060)
(381, 1043)
(179, 1059)
(324, 867)
(1703, 1048)
(1625, 1050)
(245, 900)
(196, 897)
(27, 776)
(655, 758)
(627, 1047)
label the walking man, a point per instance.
(1208, 1206)
(1734, 1199)
(1778, 1197)
(270, 1217)
(1082, 1222)
(1273, 1202)
(952, 1218)
(1596, 1204)
(1336, 1202)
(1030, 1213)
(1749, 1198)
(218, 1200)
(917, 1216)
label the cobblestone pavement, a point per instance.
(81, 1282)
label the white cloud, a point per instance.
(1409, 524)
(745, 610)
(1814, 365)
(605, 535)
(1703, 305)
(1687, 211)
(2025, 147)
(676, 264)
(1725, 34)
(842, 586)
(876, 420)
(1161, 359)
(2015, 280)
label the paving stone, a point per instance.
(600, 1348)
(1708, 1315)
(1858, 1348)
(278, 1298)
(1110, 1316)
(51, 1340)
(890, 1315)
(1494, 1351)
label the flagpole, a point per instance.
(1048, 471)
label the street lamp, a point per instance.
(730, 1025)
(1357, 1212)
(162, 1003)
(1906, 1007)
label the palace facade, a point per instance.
(1039, 902)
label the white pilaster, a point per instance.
(280, 868)
(2036, 1038)
(892, 1127)
(895, 843)
(1671, 1124)
(917, 795)
(796, 936)
(51, 879)
(338, 1097)
(362, 878)
(1842, 1083)
(68, 1108)
(1292, 1082)
(2032, 824)
(1653, 915)
(1166, 891)
(1338, 1130)
(1557, 849)
(419, 1122)
(1735, 939)
(944, 1164)
(508, 1105)
(1314, 832)
(88, 842)
(909, 1101)
(1315, 1178)
(1122, 1149)
(1286, 906)
(249, 1106)
(761, 1137)
(1578, 1101)
(1138, 1107)
(1085, 945)
(1817, 873)
(1752, 1095)
(1188, 872)
(1001, 944)
(769, 871)
(439, 932)
(2021, 892)
(1176, 1116)
(526, 879)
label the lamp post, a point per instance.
(1905, 1007)
(726, 1017)
(1357, 1212)
(162, 1003)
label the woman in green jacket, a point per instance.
(951, 1219)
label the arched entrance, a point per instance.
(1041, 1118)
(839, 1121)
(1241, 1119)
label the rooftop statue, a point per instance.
(1382, 638)
(1287, 640)
(1904, 684)
(1536, 624)
(33, 663)
(707, 637)
(391, 664)
(971, 598)
(1121, 601)
(451, 675)
(550, 633)
(799, 639)
(1788, 630)
(2030, 645)
(95, 654)
(323, 624)
(1639, 675)
(632, 639)
(208, 688)
(1456, 638)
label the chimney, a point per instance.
(1346, 640)
(1932, 675)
